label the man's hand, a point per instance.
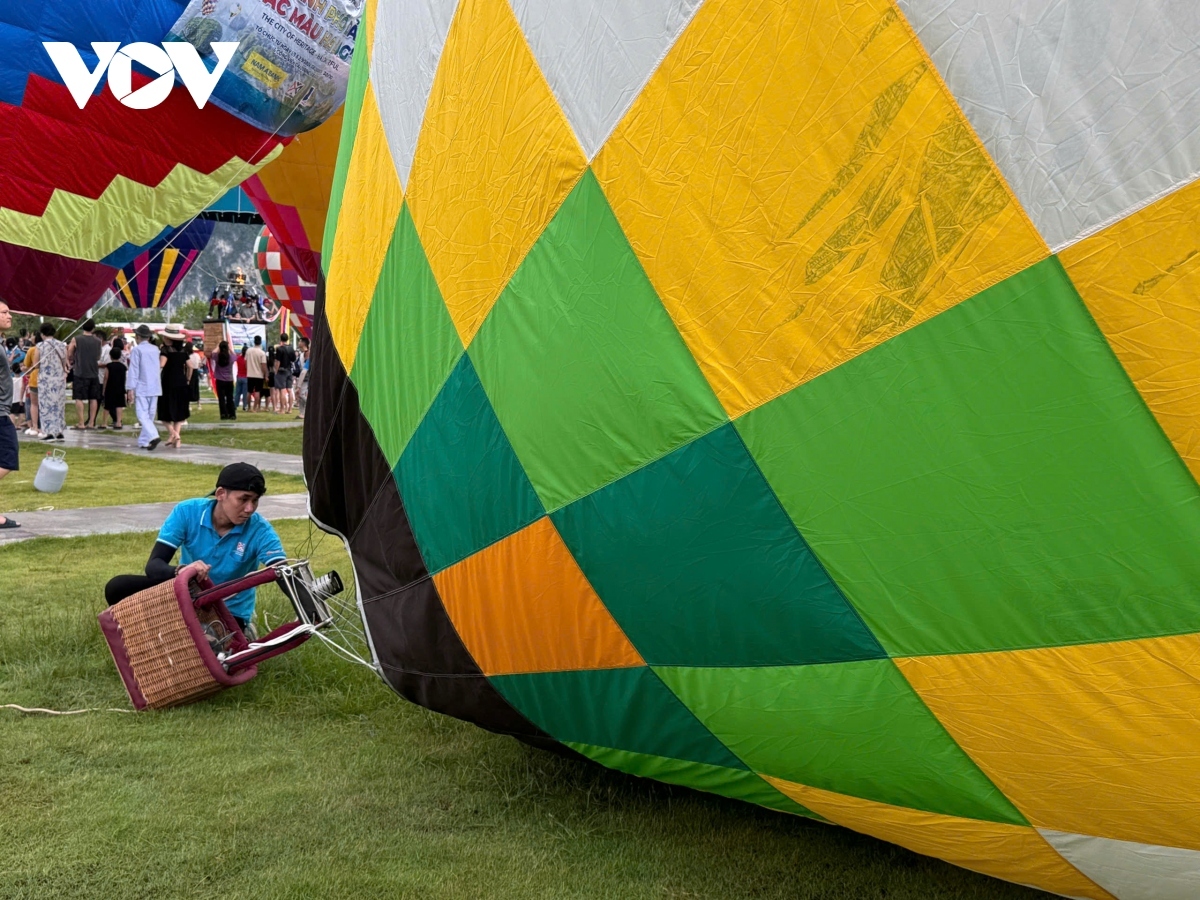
(202, 568)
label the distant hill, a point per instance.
(230, 246)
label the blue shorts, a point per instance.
(10, 458)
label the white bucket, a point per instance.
(51, 473)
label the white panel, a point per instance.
(1131, 871)
(598, 54)
(1091, 108)
(407, 44)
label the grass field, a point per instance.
(270, 440)
(314, 780)
(107, 478)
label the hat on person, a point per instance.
(174, 333)
(242, 477)
(143, 331)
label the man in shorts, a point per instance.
(256, 372)
(83, 355)
(10, 460)
(285, 376)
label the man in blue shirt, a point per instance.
(222, 533)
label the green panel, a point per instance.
(408, 346)
(738, 784)
(627, 709)
(583, 365)
(355, 90)
(855, 728)
(990, 480)
(462, 485)
(700, 566)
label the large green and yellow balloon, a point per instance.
(795, 401)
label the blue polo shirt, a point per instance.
(244, 549)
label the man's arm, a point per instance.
(71, 353)
(159, 563)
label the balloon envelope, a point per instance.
(151, 277)
(101, 184)
(283, 283)
(796, 401)
(292, 194)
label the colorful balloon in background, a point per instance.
(150, 278)
(292, 194)
(283, 283)
(795, 401)
(85, 191)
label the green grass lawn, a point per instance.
(270, 440)
(315, 780)
(107, 478)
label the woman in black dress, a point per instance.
(177, 364)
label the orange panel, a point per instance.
(523, 605)
(1099, 739)
(1012, 852)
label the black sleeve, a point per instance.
(159, 563)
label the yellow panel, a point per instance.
(494, 160)
(1141, 280)
(1011, 852)
(800, 186)
(370, 207)
(126, 212)
(1100, 739)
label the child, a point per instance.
(114, 388)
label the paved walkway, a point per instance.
(250, 426)
(284, 463)
(119, 519)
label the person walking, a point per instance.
(256, 371)
(114, 388)
(177, 367)
(223, 368)
(285, 375)
(52, 385)
(241, 396)
(10, 458)
(83, 353)
(144, 385)
(198, 374)
(31, 374)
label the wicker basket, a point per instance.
(160, 648)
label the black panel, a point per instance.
(352, 490)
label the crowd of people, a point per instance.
(108, 374)
(244, 305)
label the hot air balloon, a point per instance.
(289, 71)
(794, 401)
(85, 190)
(149, 280)
(283, 283)
(292, 195)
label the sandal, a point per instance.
(9, 523)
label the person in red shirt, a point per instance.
(241, 396)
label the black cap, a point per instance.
(242, 477)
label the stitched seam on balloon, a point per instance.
(1130, 211)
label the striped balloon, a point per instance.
(149, 280)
